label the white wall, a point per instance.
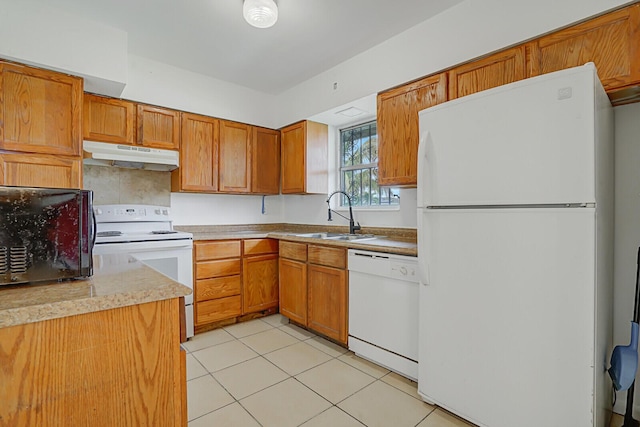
(627, 226)
(224, 209)
(468, 30)
(37, 34)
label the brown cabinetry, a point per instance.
(158, 127)
(265, 164)
(218, 281)
(611, 42)
(40, 111)
(259, 275)
(235, 157)
(304, 148)
(198, 155)
(109, 120)
(121, 364)
(40, 170)
(398, 132)
(504, 67)
(293, 281)
(313, 288)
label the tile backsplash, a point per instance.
(113, 185)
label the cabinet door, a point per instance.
(293, 158)
(198, 169)
(40, 170)
(235, 157)
(498, 69)
(265, 176)
(398, 132)
(40, 111)
(158, 127)
(108, 119)
(260, 283)
(328, 301)
(293, 290)
(611, 42)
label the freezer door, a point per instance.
(530, 142)
(506, 333)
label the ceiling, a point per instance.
(210, 37)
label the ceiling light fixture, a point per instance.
(260, 13)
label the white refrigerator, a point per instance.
(515, 230)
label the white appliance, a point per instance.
(383, 310)
(146, 232)
(515, 204)
(129, 156)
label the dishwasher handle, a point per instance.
(371, 256)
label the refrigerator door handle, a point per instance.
(422, 167)
(423, 268)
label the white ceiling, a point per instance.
(211, 37)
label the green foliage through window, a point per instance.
(359, 168)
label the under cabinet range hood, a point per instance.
(129, 156)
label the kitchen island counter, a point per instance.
(118, 281)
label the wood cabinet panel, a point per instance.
(198, 169)
(611, 42)
(40, 111)
(260, 246)
(293, 290)
(40, 170)
(219, 287)
(74, 371)
(218, 309)
(295, 251)
(328, 299)
(304, 149)
(235, 157)
(398, 130)
(217, 268)
(260, 283)
(265, 172)
(108, 119)
(217, 250)
(331, 257)
(158, 127)
(504, 67)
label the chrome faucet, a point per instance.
(352, 227)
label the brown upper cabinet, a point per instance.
(611, 42)
(501, 68)
(265, 172)
(158, 127)
(40, 111)
(304, 158)
(40, 170)
(398, 132)
(198, 155)
(109, 120)
(235, 157)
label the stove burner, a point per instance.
(163, 232)
(108, 233)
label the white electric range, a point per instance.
(146, 232)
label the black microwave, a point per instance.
(46, 234)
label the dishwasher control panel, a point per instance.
(403, 269)
(400, 267)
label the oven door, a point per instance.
(173, 258)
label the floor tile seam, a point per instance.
(250, 414)
(427, 416)
(254, 333)
(339, 409)
(398, 388)
(350, 395)
(262, 389)
(317, 394)
(288, 333)
(234, 364)
(364, 372)
(313, 367)
(268, 352)
(213, 345)
(326, 352)
(210, 412)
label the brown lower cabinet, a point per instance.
(74, 371)
(314, 288)
(259, 275)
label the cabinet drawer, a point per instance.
(297, 251)
(217, 250)
(226, 267)
(220, 287)
(260, 246)
(331, 257)
(218, 309)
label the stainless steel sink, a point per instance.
(336, 236)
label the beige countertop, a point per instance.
(118, 281)
(387, 240)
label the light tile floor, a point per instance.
(267, 372)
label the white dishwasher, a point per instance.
(383, 310)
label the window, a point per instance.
(359, 168)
